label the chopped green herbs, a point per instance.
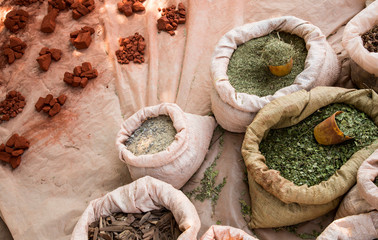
(153, 136)
(346, 124)
(276, 52)
(248, 72)
(295, 153)
(207, 188)
(245, 210)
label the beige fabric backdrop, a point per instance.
(73, 159)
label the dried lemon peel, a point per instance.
(328, 133)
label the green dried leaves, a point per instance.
(295, 153)
(277, 52)
(248, 72)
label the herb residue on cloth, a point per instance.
(295, 153)
(153, 136)
(248, 72)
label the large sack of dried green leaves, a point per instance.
(363, 197)
(234, 110)
(277, 201)
(143, 195)
(361, 50)
(184, 151)
(217, 232)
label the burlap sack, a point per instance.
(364, 66)
(217, 232)
(277, 201)
(356, 227)
(363, 197)
(182, 158)
(235, 111)
(143, 195)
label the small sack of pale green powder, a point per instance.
(277, 52)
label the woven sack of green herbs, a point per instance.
(240, 73)
(277, 201)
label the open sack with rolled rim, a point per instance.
(235, 111)
(182, 158)
(276, 201)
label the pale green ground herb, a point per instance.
(248, 73)
(295, 153)
(208, 188)
(276, 52)
(153, 136)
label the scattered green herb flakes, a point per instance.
(245, 210)
(346, 123)
(276, 52)
(248, 72)
(294, 230)
(208, 188)
(295, 153)
(219, 222)
(153, 136)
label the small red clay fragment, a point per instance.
(49, 21)
(17, 153)
(46, 109)
(86, 66)
(44, 61)
(138, 7)
(82, 8)
(15, 161)
(56, 54)
(21, 143)
(8, 149)
(40, 103)
(11, 141)
(131, 49)
(68, 78)
(81, 75)
(76, 81)
(53, 101)
(5, 156)
(48, 98)
(170, 18)
(62, 99)
(14, 50)
(54, 110)
(84, 82)
(82, 39)
(2, 147)
(129, 7)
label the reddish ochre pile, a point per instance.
(82, 8)
(82, 38)
(14, 50)
(16, 20)
(171, 18)
(80, 75)
(45, 56)
(129, 7)
(50, 105)
(12, 105)
(13, 149)
(131, 49)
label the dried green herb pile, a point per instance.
(153, 136)
(156, 225)
(295, 153)
(248, 72)
(370, 39)
(276, 52)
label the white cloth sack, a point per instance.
(352, 41)
(217, 232)
(143, 195)
(357, 227)
(363, 197)
(235, 111)
(177, 164)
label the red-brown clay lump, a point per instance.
(131, 49)
(12, 105)
(26, 2)
(46, 55)
(81, 8)
(14, 50)
(54, 7)
(60, 5)
(11, 151)
(16, 20)
(81, 75)
(170, 18)
(81, 39)
(129, 7)
(50, 105)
